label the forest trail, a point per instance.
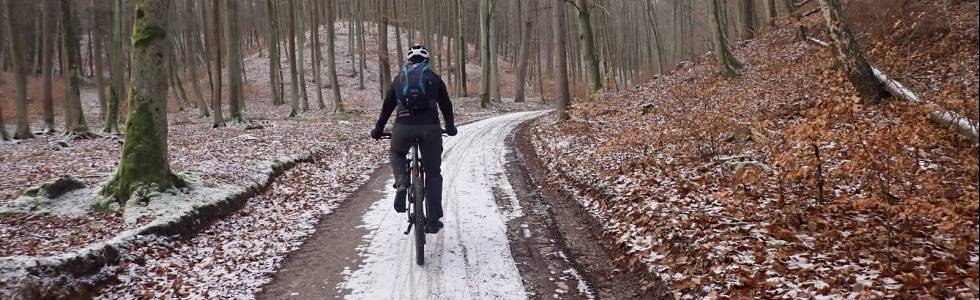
(471, 256)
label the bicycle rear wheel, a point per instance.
(419, 212)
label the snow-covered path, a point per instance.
(470, 258)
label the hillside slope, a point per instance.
(779, 183)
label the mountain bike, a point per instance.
(416, 198)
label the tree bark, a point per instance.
(273, 42)
(190, 60)
(746, 10)
(587, 38)
(294, 103)
(724, 56)
(23, 130)
(300, 32)
(96, 41)
(485, 53)
(338, 102)
(145, 163)
(117, 83)
(216, 113)
(561, 61)
(850, 55)
(461, 50)
(384, 66)
(524, 50)
(75, 118)
(47, 65)
(315, 37)
(233, 32)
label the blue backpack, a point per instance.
(413, 95)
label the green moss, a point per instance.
(144, 34)
(144, 163)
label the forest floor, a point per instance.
(779, 183)
(342, 157)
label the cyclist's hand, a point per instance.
(451, 130)
(376, 133)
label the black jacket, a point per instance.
(427, 117)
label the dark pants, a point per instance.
(402, 138)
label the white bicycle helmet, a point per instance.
(417, 52)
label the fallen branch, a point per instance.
(942, 117)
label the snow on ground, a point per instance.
(233, 258)
(471, 257)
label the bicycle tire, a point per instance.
(418, 189)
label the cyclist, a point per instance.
(415, 94)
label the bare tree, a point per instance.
(233, 32)
(524, 51)
(216, 114)
(23, 130)
(117, 83)
(48, 23)
(561, 62)
(587, 40)
(74, 117)
(294, 103)
(338, 102)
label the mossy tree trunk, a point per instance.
(724, 56)
(848, 52)
(23, 130)
(338, 102)
(233, 42)
(117, 84)
(145, 164)
(74, 116)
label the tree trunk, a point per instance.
(384, 65)
(96, 41)
(850, 55)
(233, 32)
(75, 119)
(338, 102)
(300, 32)
(47, 65)
(294, 103)
(145, 164)
(723, 55)
(586, 37)
(273, 42)
(23, 130)
(316, 56)
(561, 61)
(746, 10)
(484, 53)
(190, 60)
(216, 113)
(524, 50)
(460, 50)
(117, 83)
(494, 76)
